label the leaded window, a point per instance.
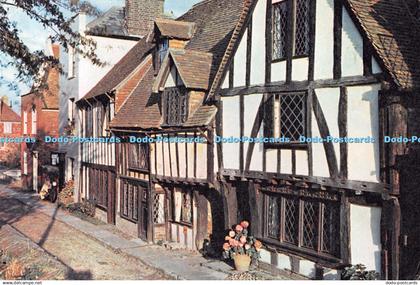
(290, 27)
(138, 156)
(158, 209)
(302, 28)
(130, 192)
(279, 30)
(306, 223)
(285, 116)
(175, 104)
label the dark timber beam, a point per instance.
(338, 25)
(283, 86)
(354, 185)
(342, 129)
(325, 132)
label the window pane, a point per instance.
(279, 30)
(291, 223)
(331, 229)
(302, 28)
(292, 116)
(186, 208)
(273, 219)
(310, 224)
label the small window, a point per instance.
(163, 49)
(138, 156)
(175, 104)
(285, 116)
(159, 209)
(279, 30)
(71, 63)
(70, 111)
(182, 206)
(25, 123)
(33, 121)
(295, 24)
(25, 163)
(7, 127)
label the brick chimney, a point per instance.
(141, 14)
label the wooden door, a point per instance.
(143, 220)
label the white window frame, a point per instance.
(33, 121)
(71, 63)
(25, 123)
(7, 127)
(25, 163)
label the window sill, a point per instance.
(292, 145)
(182, 223)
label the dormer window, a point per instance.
(175, 106)
(161, 51)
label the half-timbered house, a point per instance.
(323, 70)
(169, 113)
(97, 109)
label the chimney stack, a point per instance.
(141, 14)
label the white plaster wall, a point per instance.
(271, 160)
(329, 101)
(351, 48)
(365, 236)
(302, 162)
(231, 128)
(201, 160)
(324, 39)
(258, 43)
(251, 105)
(225, 83)
(319, 159)
(170, 80)
(300, 69)
(376, 69)
(109, 51)
(363, 114)
(278, 71)
(286, 161)
(239, 69)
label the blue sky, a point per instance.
(34, 35)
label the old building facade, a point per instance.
(39, 113)
(10, 127)
(273, 111)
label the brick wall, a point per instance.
(141, 14)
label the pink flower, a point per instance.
(239, 228)
(231, 233)
(240, 244)
(243, 239)
(244, 224)
(227, 238)
(232, 242)
(247, 246)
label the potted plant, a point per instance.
(241, 247)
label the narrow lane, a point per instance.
(85, 258)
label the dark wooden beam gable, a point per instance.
(254, 133)
(342, 128)
(312, 30)
(268, 41)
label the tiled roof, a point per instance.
(194, 68)
(216, 21)
(121, 70)
(394, 34)
(175, 29)
(7, 114)
(202, 117)
(111, 23)
(141, 110)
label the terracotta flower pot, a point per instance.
(242, 262)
